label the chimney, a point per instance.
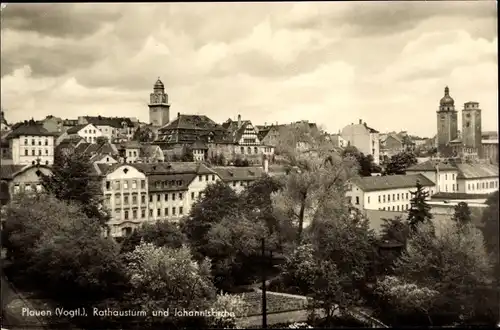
(266, 165)
(239, 120)
(360, 121)
(178, 115)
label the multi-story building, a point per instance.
(20, 178)
(30, 143)
(112, 127)
(87, 132)
(490, 150)
(338, 141)
(239, 177)
(137, 193)
(388, 193)
(443, 174)
(151, 153)
(130, 151)
(447, 124)
(390, 145)
(364, 138)
(477, 178)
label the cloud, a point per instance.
(329, 62)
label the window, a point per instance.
(368, 202)
(134, 184)
(158, 184)
(126, 215)
(151, 213)
(158, 212)
(125, 184)
(46, 151)
(46, 142)
(46, 162)
(199, 194)
(25, 142)
(26, 152)
(393, 197)
(134, 199)
(181, 210)
(118, 199)
(166, 197)
(39, 142)
(393, 207)
(384, 198)
(192, 195)
(135, 153)
(249, 149)
(242, 149)
(143, 184)
(143, 214)
(206, 177)
(388, 197)
(39, 152)
(446, 176)
(125, 199)
(166, 211)
(143, 199)
(134, 214)
(234, 183)
(397, 208)
(407, 196)
(200, 178)
(357, 200)
(213, 177)
(397, 196)
(158, 198)
(32, 152)
(32, 142)
(180, 196)
(379, 199)
(117, 185)
(150, 198)
(173, 197)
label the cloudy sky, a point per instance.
(330, 62)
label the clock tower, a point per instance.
(447, 124)
(159, 109)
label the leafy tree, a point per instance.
(161, 233)
(218, 202)
(462, 213)
(236, 307)
(395, 230)
(163, 278)
(451, 261)
(491, 230)
(420, 211)
(400, 162)
(144, 134)
(60, 251)
(300, 270)
(187, 156)
(72, 180)
(366, 165)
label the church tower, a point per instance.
(446, 124)
(159, 109)
(471, 127)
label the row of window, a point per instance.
(207, 177)
(396, 208)
(395, 197)
(27, 187)
(452, 176)
(117, 184)
(33, 152)
(33, 142)
(134, 198)
(482, 185)
(249, 150)
(127, 215)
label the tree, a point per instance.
(420, 211)
(491, 229)
(218, 202)
(366, 165)
(166, 279)
(462, 213)
(300, 270)
(60, 251)
(161, 233)
(187, 156)
(144, 134)
(400, 162)
(395, 230)
(72, 180)
(451, 261)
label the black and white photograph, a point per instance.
(249, 165)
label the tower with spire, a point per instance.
(159, 108)
(447, 124)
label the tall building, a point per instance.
(364, 138)
(471, 127)
(159, 109)
(447, 124)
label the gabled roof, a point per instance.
(7, 172)
(28, 129)
(430, 166)
(99, 157)
(89, 148)
(115, 122)
(233, 173)
(477, 171)
(376, 183)
(192, 122)
(76, 129)
(236, 131)
(148, 150)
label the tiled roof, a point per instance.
(29, 129)
(375, 183)
(195, 122)
(76, 129)
(162, 168)
(236, 131)
(170, 182)
(477, 171)
(7, 171)
(148, 150)
(91, 148)
(100, 156)
(455, 195)
(189, 128)
(430, 166)
(198, 144)
(115, 122)
(233, 173)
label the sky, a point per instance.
(332, 63)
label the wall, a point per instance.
(389, 199)
(116, 198)
(366, 142)
(90, 133)
(26, 179)
(478, 186)
(36, 146)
